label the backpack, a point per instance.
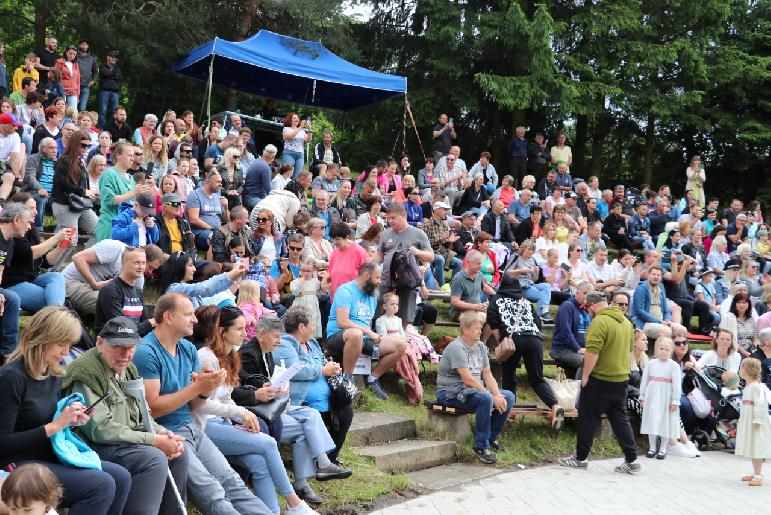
(405, 273)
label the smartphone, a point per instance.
(565, 267)
(451, 120)
(90, 409)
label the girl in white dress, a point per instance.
(753, 434)
(660, 399)
(305, 290)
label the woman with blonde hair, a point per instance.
(232, 175)
(96, 165)
(316, 246)
(157, 155)
(696, 177)
(30, 386)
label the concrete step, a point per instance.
(450, 476)
(408, 455)
(373, 428)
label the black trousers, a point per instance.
(596, 398)
(694, 307)
(529, 348)
(338, 424)
(518, 168)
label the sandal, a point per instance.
(512, 417)
(755, 481)
(747, 478)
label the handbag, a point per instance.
(79, 203)
(565, 390)
(504, 350)
(702, 406)
(271, 410)
(342, 392)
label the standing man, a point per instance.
(110, 79)
(609, 342)
(537, 155)
(88, 73)
(443, 134)
(47, 56)
(518, 155)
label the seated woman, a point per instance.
(266, 239)
(22, 274)
(370, 218)
(511, 315)
(527, 271)
(344, 203)
(739, 321)
(316, 246)
(414, 208)
(723, 353)
(117, 429)
(547, 241)
(30, 386)
(234, 429)
(490, 272)
(179, 271)
(577, 273)
(475, 198)
(556, 277)
(302, 426)
(763, 354)
(309, 387)
(464, 380)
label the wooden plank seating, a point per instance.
(446, 323)
(452, 423)
(442, 295)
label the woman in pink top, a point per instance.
(345, 260)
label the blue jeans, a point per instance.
(85, 92)
(107, 101)
(304, 429)
(490, 187)
(297, 159)
(202, 237)
(41, 207)
(647, 243)
(26, 138)
(488, 425)
(438, 268)
(212, 484)
(431, 280)
(250, 201)
(46, 290)
(72, 101)
(9, 321)
(257, 453)
(540, 293)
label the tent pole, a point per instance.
(208, 91)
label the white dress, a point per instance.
(754, 443)
(660, 388)
(305, 295)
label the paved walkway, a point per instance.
(707, 485)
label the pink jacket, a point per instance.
(253, 311)
(71, 82)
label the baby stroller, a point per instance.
(724, 413)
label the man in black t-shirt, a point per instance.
(46, 57)
(15, 220)
(443, 134)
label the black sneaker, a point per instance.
(333, 472)
(307, 494)
(628, 468)
(485, 456)
(496, 446)
(546, 318)
(377, 389)
(573, 462)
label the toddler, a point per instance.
(660, 399)
(253, 309)
(31, 489)
(753, 435)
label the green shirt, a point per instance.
(610, 335)
(111, 183)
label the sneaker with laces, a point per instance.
(546, 318)
(628, 468)
(300, 509)
(485, 456)
(377, 389)
(573, 462)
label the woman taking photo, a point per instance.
(234, 429)
(232, 176)
(295, 137)
(302, 426)
(71, 182)
(30, 386)
(741, 324)
(156, 157)
(265, 239)
(178, 276)
(116, 186)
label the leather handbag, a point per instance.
(504, 349)
(79, 203)
(271, 410)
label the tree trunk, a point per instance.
(599, 133)
(244, 29)
(650, 139)
(40, 25)
(579, 145)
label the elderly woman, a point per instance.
(528, 183)
(302, 425)
(506, 193)
(117, 430)
(316, 246)
(527, 271)
(234, 429)
(309, 387)
(741, 323)
(30, 386)
(510, 315)
(464, 380)
(142, 134)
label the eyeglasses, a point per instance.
(321, 227)
(85, 144)
(580, 251)
(138, 154)
(172, 204)
(236, 157)
(679, 343)
(263, 220)
(186, 151)
(298, 249)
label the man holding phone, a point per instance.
(443, 135)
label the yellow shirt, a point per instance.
(175, 235)
(19, 74)
(764, 249)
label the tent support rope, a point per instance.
(407, 109)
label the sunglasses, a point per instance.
(680, 343)
(236, 157)
(263, 220)
(321, 227)
(298, 249)
(580, 251)
(186, 151)
(138, 154)
(84, 144)
(172, 204)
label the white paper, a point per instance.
(281, 378)
(363, 365)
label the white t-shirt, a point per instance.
(603, 274)
(108, 253)
(268, 249)
(9, 144)
(296, 144)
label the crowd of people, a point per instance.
(270, 272)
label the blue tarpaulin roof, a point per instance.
(284, 68)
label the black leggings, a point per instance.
(425, 313)
(338, 428)
(530, 349)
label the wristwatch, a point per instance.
(203, 397)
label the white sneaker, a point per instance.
(694, 448)
(300, 509)
(682, 450)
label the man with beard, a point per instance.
(349, 332)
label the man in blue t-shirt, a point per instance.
(214, 153)
(176, 386)
(349, 329)
(207, 209)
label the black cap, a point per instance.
(147, 203)
(732, 264)
(120, 331)
(112, 53)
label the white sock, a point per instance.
(663, 446)
(322, 461)
(652, 442)
(371, 378)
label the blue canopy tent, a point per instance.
(285, 68)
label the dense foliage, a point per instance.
(639, 86)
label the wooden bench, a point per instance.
(441, 295)
(452, 423)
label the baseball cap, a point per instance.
(732, 264)
(9, 119)
(572, 194)
(467, 214)
(595, 297)
(170, 197)
(112, 53)
(146, 203)
(120, 331)
(441, 205)
(705, 272)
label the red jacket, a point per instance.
(71, 82)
